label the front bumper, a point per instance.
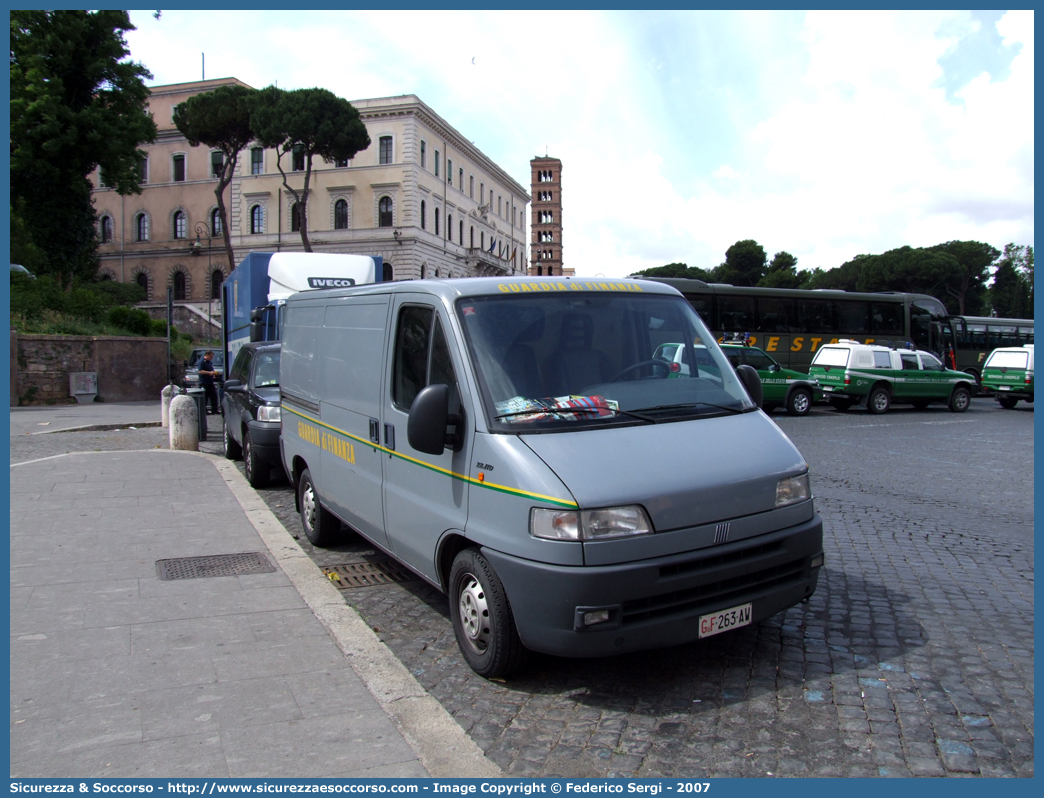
(264, 439)
(657, 602)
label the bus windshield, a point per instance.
(553, 362)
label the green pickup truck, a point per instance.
(781, 387)
(876, 377)
(1007, 375)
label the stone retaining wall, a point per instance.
(129, 369)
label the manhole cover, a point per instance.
(250, 562)
(367, 574)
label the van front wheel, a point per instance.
(482, 619)
(320, 525)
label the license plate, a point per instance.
(1005, 387)
(723, 620)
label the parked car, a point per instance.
(252, 411)
(876, 377)
(1008, 375)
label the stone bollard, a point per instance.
(184, 424)
(168, 393)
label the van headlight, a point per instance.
(611, 522)
(269, 413)
(793, 490)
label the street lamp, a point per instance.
(201, 228)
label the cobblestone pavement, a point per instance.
(913, 658)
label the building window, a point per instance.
(180, 223)
(257, 219)
(424, 154)
(384, 212)
(217, 164)
(436, 163)
(106, 229)
(449, 171)
(436, 221)
(141, 227)
(143, 176)
(298, 160)
(471, 186)
(386, 149)
(500, 201)
(341, 163)
(295, 218)
(472, 237)
(482, 193)
(424, 216)
(257, 161)
(462, 233)
(461, 178)
(143, 280)
(217, 227)
(179, 168)
(180, 286)
(216, 278)
(341, 215)
(449, 227)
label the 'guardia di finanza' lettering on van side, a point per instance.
(345, 450)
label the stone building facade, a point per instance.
(421, 196)
(546, 242)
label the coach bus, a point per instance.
(792, 324)
(976, 336)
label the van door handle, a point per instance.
(389, 436)
(375, 432)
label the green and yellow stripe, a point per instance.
(479, 483)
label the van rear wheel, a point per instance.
(879, 400)
(482, 619)
(321, 526)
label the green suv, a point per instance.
(781, 387)
(1007, 375)
(876, 377)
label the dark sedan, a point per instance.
(252, 411)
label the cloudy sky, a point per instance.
(824, 134)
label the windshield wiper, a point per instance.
(690, 405)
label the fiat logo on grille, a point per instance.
(721, 533)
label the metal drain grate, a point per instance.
(250, 562)
(367, 574)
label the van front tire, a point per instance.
(482, 619)
(321, 526)
(232, 449)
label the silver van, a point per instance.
(521, 444)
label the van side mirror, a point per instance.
(752, 382)
(429, 415)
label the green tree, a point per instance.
(1011, 292)
(219, 119)
(782, 272)
(744, 264)
(676, 270)
(966, 292)
(305, 123)
(76, 104)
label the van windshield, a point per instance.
(562, 361)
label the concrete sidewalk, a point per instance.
(116, 672)
(57, 418)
